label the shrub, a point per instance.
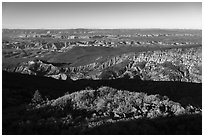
(37, 98)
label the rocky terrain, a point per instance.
(83, 112)
(161, 65)
(84, 81)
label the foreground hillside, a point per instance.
(92, 111)
(35, 105)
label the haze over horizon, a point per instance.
(89, 15)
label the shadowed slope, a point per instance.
(184, 93)
(180, 125)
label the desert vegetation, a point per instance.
(84, 81)
(89, 110)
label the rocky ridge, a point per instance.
(161, 65)
(107, 105)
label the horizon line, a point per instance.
(98, 28)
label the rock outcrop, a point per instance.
(161, 65)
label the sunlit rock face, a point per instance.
(161, 65)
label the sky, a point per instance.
(129, 15)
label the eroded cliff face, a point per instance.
(161, 65)
(168, 65)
